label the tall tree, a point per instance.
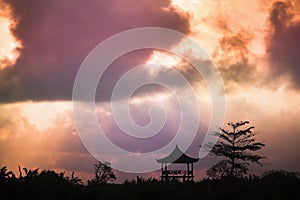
(237, 146)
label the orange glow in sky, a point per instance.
(8, 43)
(211, 19)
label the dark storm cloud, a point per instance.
(57, 35)
(284, 43)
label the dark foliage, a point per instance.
(48, 184)
(44, 185)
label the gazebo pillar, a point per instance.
(188, 172)
(192, 171)
(162, 171)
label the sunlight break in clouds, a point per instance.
(160, 60)
(9, 45)
(43, 114)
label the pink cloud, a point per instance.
(57, 35)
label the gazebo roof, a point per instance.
(177, 156)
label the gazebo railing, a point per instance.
(177, 174)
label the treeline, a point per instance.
(48, 184)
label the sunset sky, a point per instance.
(254, 43)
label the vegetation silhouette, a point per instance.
(48, 184)
(237, 146)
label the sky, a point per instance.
(254, 44)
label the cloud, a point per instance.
(9, 44)
(234, 59)
(235, 46)
(57, 35)
(284, 41)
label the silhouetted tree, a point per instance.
(103, 174)
(237, 146)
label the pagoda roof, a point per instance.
(177, 156)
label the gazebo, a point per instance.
(177, 157)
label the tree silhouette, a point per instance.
(103, 174)
(237, 146)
